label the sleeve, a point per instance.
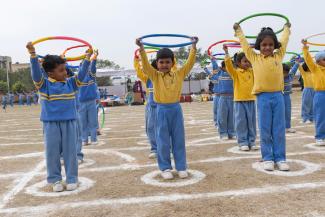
(147, 68)
(230, 67)
(174, 68)
(185, 70)
(206, 70)
(302, 71)
(284, 41)
(215, 66)
(36, 72)
(83, 70)
(309, 60)
(293, 70)
(93, 68)
(249, 52)
(143, 77)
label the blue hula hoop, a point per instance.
(166, 45)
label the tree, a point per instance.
(3, 87)
(182, 54)
(107, 64)
(104, 81)
(18, 87)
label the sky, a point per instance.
(113, 25)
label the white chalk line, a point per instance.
(270, 189)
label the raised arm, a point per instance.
(284, 39)
(294, 69)
(146, 66)
(36, 70)
(93, 63)
(143, 77)
(185, 70)
(229, 65)
(249, 52)
(308, 59)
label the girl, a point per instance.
(268, 87)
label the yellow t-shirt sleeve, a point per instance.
(249, 52)
(143, 77)
(174, 68)
(147, 68)
(301, 70)
(284, 40)
(189, 63)
(309, 60)
(230, 67)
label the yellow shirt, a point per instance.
(317, 71)
(268, 71)
(243, 81)
(168, 86)
(307, 76)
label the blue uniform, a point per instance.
(21, 99)
(4, 101)
(286, 94)
(151, 116)
(59, 121)
(88, 111)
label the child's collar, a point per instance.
(53, 80)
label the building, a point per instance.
(5, 63)
(16, 66)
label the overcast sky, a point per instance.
(113, 25)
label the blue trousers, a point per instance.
(151, 121)
(226, 116)
(11, 101)
(61, 137)
(21, 101)
(319, 111)
(80, 155)
(287, 106)
(170, 134)
(89, 120)
(307, 112)
(271, 120)
(215, 109)
(245, 122)
(28, 101)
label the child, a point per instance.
(318, 71)
(288, 76)
(308, 93)
(214, 78)
(170, 123)
(268, 87)
(150, 111)
(244, 106)
(58, 116)
(11, 97)
(21, 98)
(87, 96)
(226, 104)
(4, 101)
(28, 99)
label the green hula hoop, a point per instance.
(264, 14)
(102, 123)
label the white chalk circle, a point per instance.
(236, 150)
(195, 177)
(308, 168)
(86, 163)
(84, 184)
(315, 147)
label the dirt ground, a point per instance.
(118, 179)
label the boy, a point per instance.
(170, 123)
(58, 116)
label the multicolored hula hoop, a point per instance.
(166, 45)
(65, 38)
(312, 36)
(148, 50)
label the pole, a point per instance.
(7, 69)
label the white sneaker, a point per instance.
(152, 155)
(223, 138)
(80, 161)
(58, 186)
(183, 174)
(94, 143)
(244, 148)
(72, 186)
(232, 138)
(61, 161)
(320, 142)
(268, 165)
(85, 143)
(283, 166)
(167, 174)
(290, 130)
(308, 122)
(255, 147)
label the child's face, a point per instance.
(244, 63)
(267, 46)
(165, 64)
(321, 62)
(59, 73)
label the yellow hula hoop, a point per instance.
(315, 44)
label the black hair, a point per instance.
(50, 62)
(223, 65)
(305, 67)
(286, 67)
(154, 63)
(266, 32)
(238, 57)
(165, 53)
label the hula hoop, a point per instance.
(74, 47)
(152, 50)
(65, 38)
(207, 62)
(166, 45)
(264, 14)
(312, 36)
(237, 45)
(102, 123)
(219, 42)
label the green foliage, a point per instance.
(3, 87)
(22, 75)
(182, 54)
(107, 64)
(104, 81)
(18, 87)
